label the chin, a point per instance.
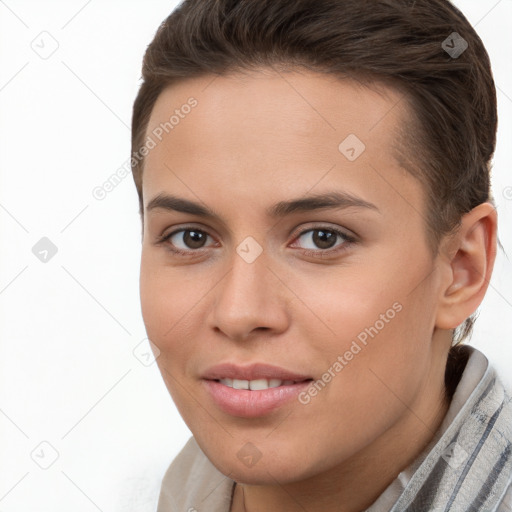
(263, 469)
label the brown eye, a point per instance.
(190, 238)
(185, 240)
(325, 239)
(194, 239)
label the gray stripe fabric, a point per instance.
(485, 492)
(470, 467)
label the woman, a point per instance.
(318, 231)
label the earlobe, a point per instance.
(467, 266)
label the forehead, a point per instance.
(304, 103)
(293, 130)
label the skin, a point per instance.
(255, 139)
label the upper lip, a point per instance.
(251, 372)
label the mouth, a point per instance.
(253, 390)
(258, 384)
(253, 398)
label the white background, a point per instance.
(68, 327)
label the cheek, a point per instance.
(389, 355)
(344, 302)
(165, 298)
(173, 311)
(152, 300)
(167, 316)
(381, 326)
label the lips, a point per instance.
(254, 390)
(255, 371)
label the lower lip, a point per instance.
(251, 404)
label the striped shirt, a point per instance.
(466, 467)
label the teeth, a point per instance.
(255, 385)
(240, 384)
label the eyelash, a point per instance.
(318, 253)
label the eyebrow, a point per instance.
(333, 200)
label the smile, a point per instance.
(255, 385)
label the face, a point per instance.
(344, 295)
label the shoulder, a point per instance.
(193, 483)
(469, 467)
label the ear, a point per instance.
(466, 260)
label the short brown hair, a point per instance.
(450, 139)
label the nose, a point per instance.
(250, 297)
